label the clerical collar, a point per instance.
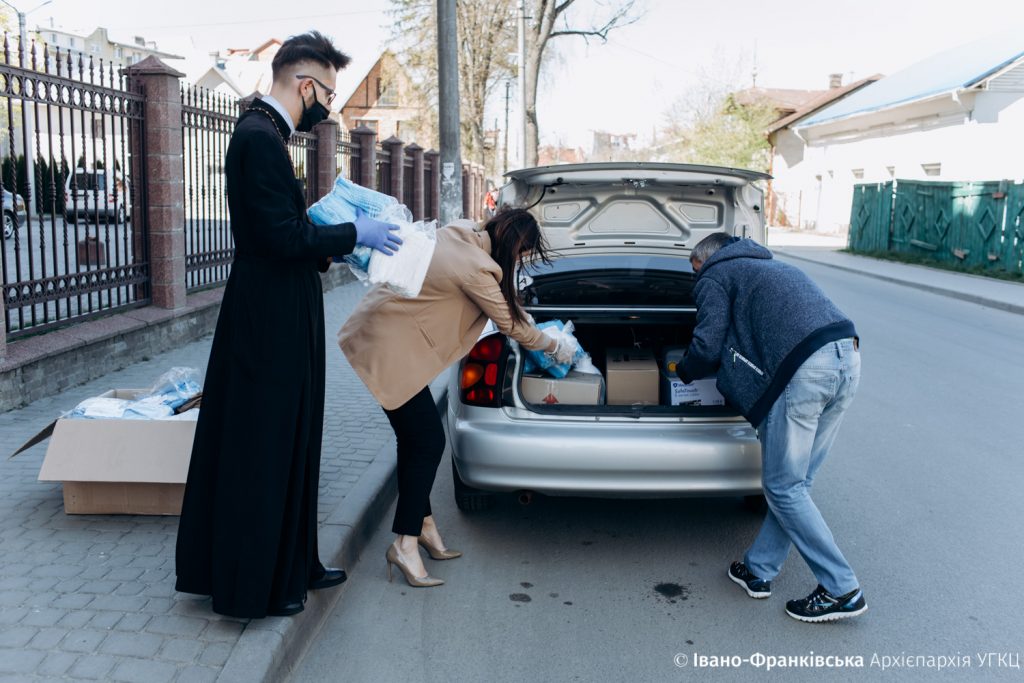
(279, 108)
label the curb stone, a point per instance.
(942, 291)
(270, 649)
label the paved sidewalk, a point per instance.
(1001, 294)
(92, 597)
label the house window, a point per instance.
(387, 94)
(95, 49)
(72, 41)
(858, 173)
(53, 38)
(119, 52)
(372, 124)
(932, 169)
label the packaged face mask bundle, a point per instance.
(539, 360)
(403, 271)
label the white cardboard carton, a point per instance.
(576, 388)
(699, 392)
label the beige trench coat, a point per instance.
(398, 345)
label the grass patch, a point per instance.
(994, 273)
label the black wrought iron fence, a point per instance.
(74, 239)
(207, 120)
(348, 157)
(302, 147)
(383, 179)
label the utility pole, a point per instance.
(522, 82)
(448, 117)
(508, 91)
(27, 109)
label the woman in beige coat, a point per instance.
(398, 345)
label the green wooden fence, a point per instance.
(972, 224)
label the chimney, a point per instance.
(835, 80)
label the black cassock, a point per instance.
(247, 535)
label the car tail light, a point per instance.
(481, 372)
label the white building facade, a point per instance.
(971, 131)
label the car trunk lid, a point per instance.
(621, 207)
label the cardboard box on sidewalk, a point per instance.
(118, 466)
(632, 377)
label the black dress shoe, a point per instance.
(285, 609)
(329, 577)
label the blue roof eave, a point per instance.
(817, 120)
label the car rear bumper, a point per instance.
(494, 451)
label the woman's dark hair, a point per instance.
(309, 47)
(515, 240)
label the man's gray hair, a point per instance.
(707, 247)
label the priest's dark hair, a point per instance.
(312, 46)
(515, 240)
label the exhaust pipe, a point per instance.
(525, 497)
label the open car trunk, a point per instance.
(599, 332)
(639, 303)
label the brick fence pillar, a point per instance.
(396, 155)
(433, 183)
(326, 133)
(415, 153)
(163, 175)
(366, 140)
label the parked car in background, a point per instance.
(622, 234)
(14, 213)
(97, 195)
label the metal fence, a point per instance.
(972, 224)
(74, 173)
(74, 239)
(207, 121)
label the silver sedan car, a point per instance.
(622, 233)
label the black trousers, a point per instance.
(421, 442)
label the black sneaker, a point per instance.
(823, 606)
(755, 587)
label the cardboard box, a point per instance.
(632, 376)
(576, 388)
(700, 392)
(117, 466)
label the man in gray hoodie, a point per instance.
(789, 360)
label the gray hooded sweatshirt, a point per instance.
(758, 320)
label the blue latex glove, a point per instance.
(376, 234)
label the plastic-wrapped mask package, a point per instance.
(541, 360)
(172, 389)
(403, 271)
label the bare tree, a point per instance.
(549, 19)
(717, 122)
(486, 42)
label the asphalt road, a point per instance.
(922, 492)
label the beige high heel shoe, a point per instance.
(436, 553)
(393, 558)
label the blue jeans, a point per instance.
(795, 438)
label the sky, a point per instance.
(623, 86)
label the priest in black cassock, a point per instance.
(248, 527)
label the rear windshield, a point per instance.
(88, 181)
(611, 280)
